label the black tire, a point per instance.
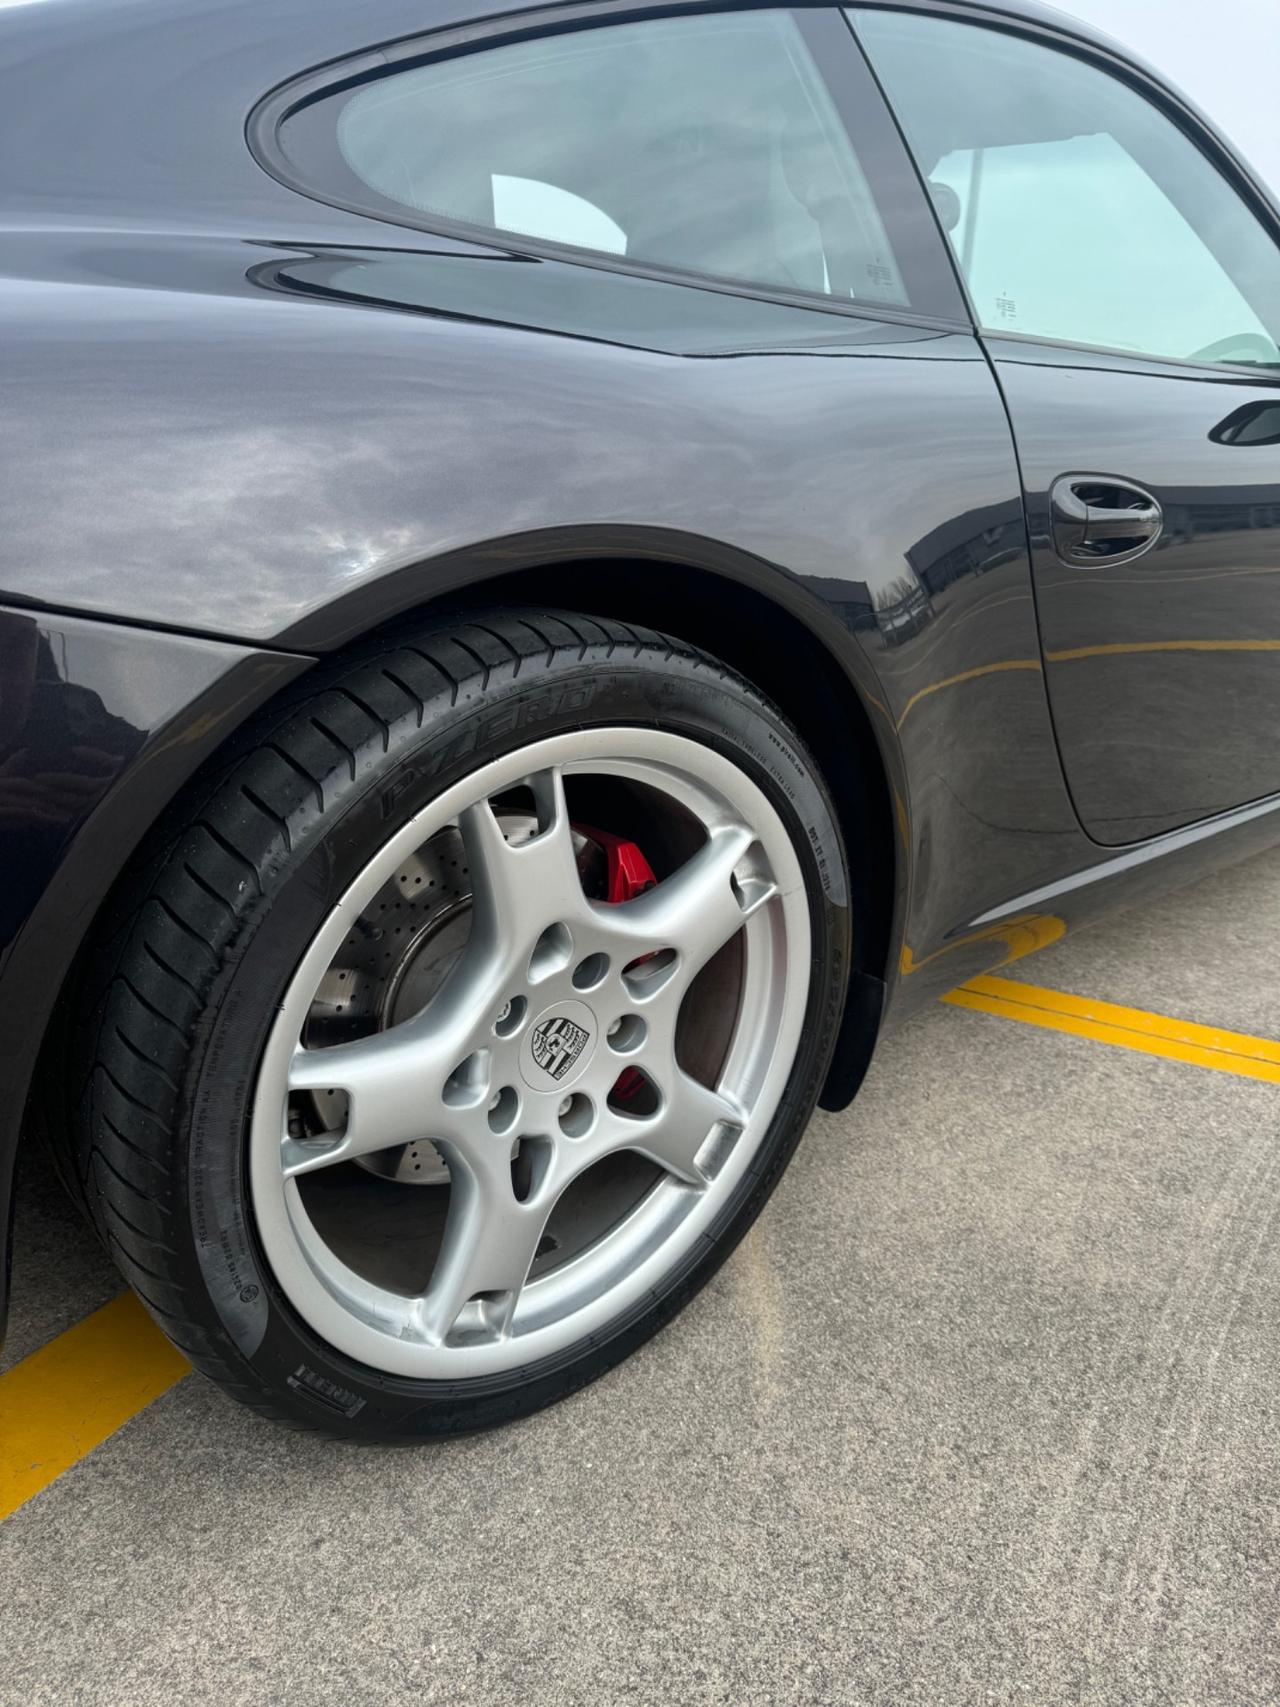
(188, 985)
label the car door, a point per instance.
(1128, 295)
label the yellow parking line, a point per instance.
(66, 1398)
(1127, 1028)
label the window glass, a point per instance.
(1076, 209)
(703, 142)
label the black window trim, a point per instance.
(921, 249)
(1194, 125)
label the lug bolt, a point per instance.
(505, 1014)
(614, 1028)
(494, 1100)
(564, 1108)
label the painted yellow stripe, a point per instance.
(66, 1398)
(1126, 1028)
(71, 1395)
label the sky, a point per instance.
(1225, 54)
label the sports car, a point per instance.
(562, 567)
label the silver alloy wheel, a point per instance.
(551, 998)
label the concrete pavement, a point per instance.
(984, 1410)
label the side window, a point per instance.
(698, 142)
(1076, 209)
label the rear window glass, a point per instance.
(707, 143)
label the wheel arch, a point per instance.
(805, 666)
(761, 621)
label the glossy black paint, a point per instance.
(242, 429)
(100, 725)
(841, 465)
(1158, 668)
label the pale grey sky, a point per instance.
(1225, 54)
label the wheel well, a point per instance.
(763, 641)
(782, 657)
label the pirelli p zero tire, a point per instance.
(467, 1025)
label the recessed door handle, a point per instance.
(1099, 519)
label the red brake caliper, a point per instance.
(627, 874)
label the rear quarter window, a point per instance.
(707, 144)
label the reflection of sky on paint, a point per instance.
(1053, 192)
(1224, 56)
(385, 441)
(142, 684)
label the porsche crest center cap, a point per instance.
(560, 1044)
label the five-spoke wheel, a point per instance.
(467, 1022)
(557, 1038)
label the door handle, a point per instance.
(1099, 519)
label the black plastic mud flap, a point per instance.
(859, 1028)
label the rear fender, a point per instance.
(100, 726)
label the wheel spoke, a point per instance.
(698, 908)
(520, 887)
(394, 1082)
(490, 1240)
(674, 1136)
